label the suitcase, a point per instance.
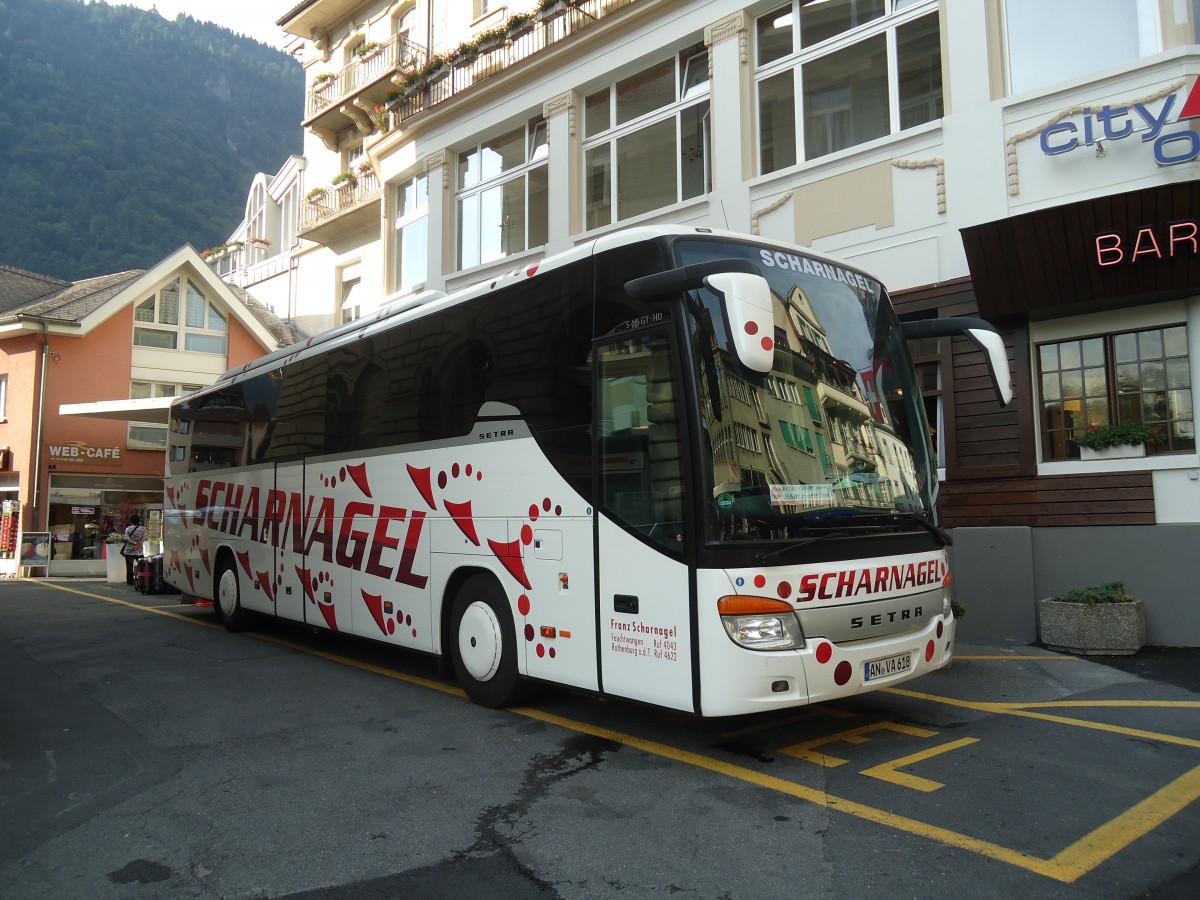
(141, 575)
(149, 578)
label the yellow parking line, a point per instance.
(1067, 866)
(1025, 711)
(888, 771)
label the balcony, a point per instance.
(434, 85)
(341, 208)
(347, 98)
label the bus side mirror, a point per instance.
(982, 334)
(746, 300)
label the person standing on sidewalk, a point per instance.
(135, 536)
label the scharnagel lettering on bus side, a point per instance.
(285, 527)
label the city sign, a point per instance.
(1114, 123)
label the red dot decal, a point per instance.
(760, 580)
(552, 654)
(768, 344)
(441, 479)
(454, 470)
(391, 627)
(751, 328)
(342, 474)
(523, 605)
(824, 653)
(784, 591)
(558, 510)
(541, 649)
(939, 628)
(843, 671)
(546, 504)
(526, 535)
(468, 470)
(529, 632)
(929, 648)
(534, 512)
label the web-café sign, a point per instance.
(1114, 123)
(81, 452)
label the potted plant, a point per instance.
(1123, 441)
(464, 55)
(344, 178)
(1102, 620)
(549, 10)
(518, 25)
(362, 51)
(316, 195)
(492, 39)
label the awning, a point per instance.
(149, 409)
(1103, 251)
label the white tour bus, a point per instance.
(676, 465)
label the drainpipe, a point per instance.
(41, 418)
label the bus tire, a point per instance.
(227, 599)
(483, 645)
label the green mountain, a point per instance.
(124, 136)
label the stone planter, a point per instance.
(1092, 629)
(1120, 451)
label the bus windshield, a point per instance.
(834, 439)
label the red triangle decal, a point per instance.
(464, 519)
(510, 557)
(1191, 107)
(375, 605)
(420, 478)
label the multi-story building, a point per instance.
(1032, 162)
(87, 370)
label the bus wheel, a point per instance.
(484, 648)
(228, 603)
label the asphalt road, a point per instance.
(145, 752)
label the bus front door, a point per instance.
(644, 591)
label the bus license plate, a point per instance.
(884, 668)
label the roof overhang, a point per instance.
(150, 409)
(1098, 253)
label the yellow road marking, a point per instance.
(888, 771)
(853, 736)
(1070, 864)
(1021, 711)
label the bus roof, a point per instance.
(422, 301)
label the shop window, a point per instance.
(1135, 376)
(862, 69)
(503, 195)
(647, 140)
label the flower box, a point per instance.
(1093, 629)
(1118, 451)
(1101, 620)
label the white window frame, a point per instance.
(685, 99)
(896, 14)
(137, 432)
(535, 156)
(180, 330)
(406, 224)
(1114, 322)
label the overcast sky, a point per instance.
(253, 18)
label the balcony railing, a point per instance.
(322, 203)
(546, 31)
(398, 55)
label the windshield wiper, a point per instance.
(769, 556)
(869, 522)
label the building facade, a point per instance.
(1034, 163)
(86, 371)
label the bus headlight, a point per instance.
(760, 623)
